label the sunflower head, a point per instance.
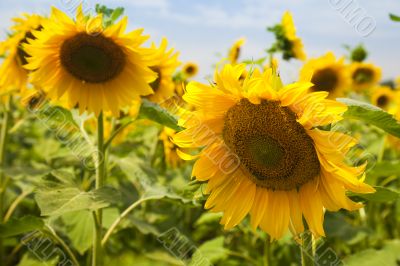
(263, 154)
(328, 74)
(12, 74)
(287, 41)
(165, 64)
(94, 67)
(190, 69)
(364, 75)
(383, 97)
(234, 51)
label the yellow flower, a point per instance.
(289, 30)
(383, 97)
(234, 51)
(328, 74)
(364, 75)
(165, 64)
(190, 69)
(170, 149)
(263, 153)
(12, 74)
(96, 69)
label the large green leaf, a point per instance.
(382, 194)
(389, 255)
(372, 115)
(209, 253)
(385, 168)
(158, 114)
(21, 225)
(31, 260)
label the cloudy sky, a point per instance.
(203, 30)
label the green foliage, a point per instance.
(17, 226)
(394, 17)
(358, 54)
(382, 194)
(157, 114)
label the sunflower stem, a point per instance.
(97, 258)
(3, 179)
(307, 254)
(267, 251)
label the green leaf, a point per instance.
(385, 168)
(117, 13)
(158, 114)
(210, 252)
(30, 260)
(382, 194)
(372, 115)
(63, 200)
(56, 117)
(21, 225)
(388, 256)
(394, 17)
(79, 228)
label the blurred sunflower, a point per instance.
(383, 97)
(95, 68)
(165, 64)
(364, 75)
(190, 69)
(263, 154)
(12, 74)
(329, 75)
(170, 149)
(234, 51)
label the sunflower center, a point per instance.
(363, 75)
(190, 69)
(382, 101)
(93, 59)
(272, 146)
(325, 80)
(155, 85)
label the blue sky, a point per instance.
(200, 29)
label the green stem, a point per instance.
(307, 254)
(97, 258)
(267, 251)
(63, 244)
(3, 179)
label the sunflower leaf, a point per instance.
(210, 252)
(394, 17)
(388, 255)
(385, 168)
(21, 225)
(158, 114)
(372, 115)
(382, 194)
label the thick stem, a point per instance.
(307, 254)
(267, 251)
(3, 180)
(97, 258)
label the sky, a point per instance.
(203, 30)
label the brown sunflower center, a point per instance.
(382, 101)
(22, 55)
(155, 85)
(325, 80)
(190, 70)
(363, 75)
(272, 146)
(92, 58)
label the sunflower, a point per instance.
(170, 149)
(234, 51)
(364, 75)
(383, 97)
(165, 65)
(95, 68)
(329, 74)
(190, 69)
(263, 153)
(12, 74)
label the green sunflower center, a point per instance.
(325, 80)
(363, 75)
(92, 58)
(155, 85)
(272, 146)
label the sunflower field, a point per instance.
(114, 151)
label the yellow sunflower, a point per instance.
(190, 69)
(170, 149)
(289, 30)
(263, 153)
(364, 75)
(383, 97)
(165, 64)
(12, 74)
(95, 68)
(234, 51)
(329, 74)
